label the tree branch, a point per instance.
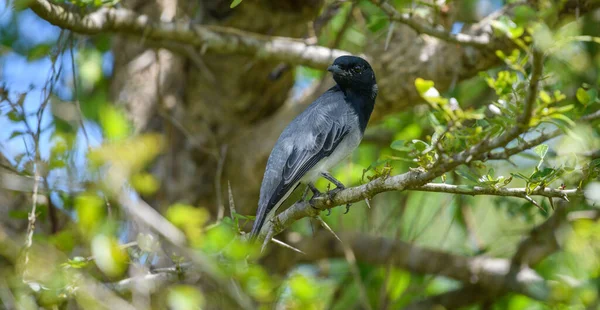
(540, 244)
(455, 299)
(488, 273)
(507, 192)
(206, 38)
(508, 152)
(154, 280)
(459, 38)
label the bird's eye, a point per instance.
(357, 69)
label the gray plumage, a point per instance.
(320, 137)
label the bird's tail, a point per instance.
(258, 223)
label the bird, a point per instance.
(324, 134)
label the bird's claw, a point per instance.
(347, 208)
(331, 193)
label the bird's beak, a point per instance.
(335, 69)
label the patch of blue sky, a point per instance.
(34, 30)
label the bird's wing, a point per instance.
(303, 159)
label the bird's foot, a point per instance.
(316, 193)
(331, 193)
(333, 180)
(347, 208)
(312, 203)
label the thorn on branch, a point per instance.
(528, 198)
(285, 245)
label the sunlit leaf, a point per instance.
(114, 122)
(583, 96)
(77, 262)
(190, 219)
(303, 287)
(91, 212)
(545, 97)
(423, 85)
(541, 150)
(108, 256)
(145, 183)
(185, 297)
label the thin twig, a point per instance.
(76, 92)
(493, 191)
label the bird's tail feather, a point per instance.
(258, 223)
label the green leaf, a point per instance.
(114, 122)
(15, 116)
(18, 214)
(524, 15)
(235, 3)
(15, 134)
(399, 145)
(303, 287)
(563, 118)
(423, 85)
(22, 4)
(185, 297)
(594, 163)
(545, 97)
(56, 162)
(583, 96)
(467, 174)
(541, 174)
(541, 150)
(558, 96)
(111, 259)
(145, 183)
(378, 23)
(77, 262)
(39, 51)
(519, 176)
(420, 145)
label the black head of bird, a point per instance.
(351, 72)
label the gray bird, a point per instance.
(320, 137)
